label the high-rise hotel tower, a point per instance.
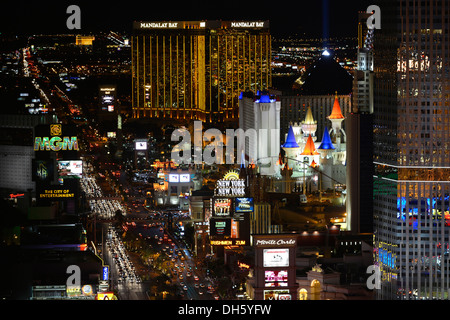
(196, 70)
(359, 130)
(412, 149)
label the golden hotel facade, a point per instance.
(196, 70)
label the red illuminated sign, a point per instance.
(19, 195)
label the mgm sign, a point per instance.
(56, 142)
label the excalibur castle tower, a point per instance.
(196, 70)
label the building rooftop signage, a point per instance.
(210, 24)
(275, 242)
(248, 24)
(159, 25)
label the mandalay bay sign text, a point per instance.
(249, 24)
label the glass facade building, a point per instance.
(196, 70)
(412, 149)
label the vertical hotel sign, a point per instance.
(56, 141)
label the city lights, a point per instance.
(229, 163)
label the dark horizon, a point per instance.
(302, 18)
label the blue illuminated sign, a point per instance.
(105, 273)
(244, 205)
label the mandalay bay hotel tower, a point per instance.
(196, 70)
(412, 149)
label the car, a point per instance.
(185, 288)
(195, 278)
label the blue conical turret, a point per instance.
(290, 140)
(326, 141)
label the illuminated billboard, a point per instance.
(229, 242)
(107, 98)
(244, 205)
(105, 273)
(276, 278)
(185, 178)
(174, 178)
(141, 146)
(105, 296)
(70, 169)
(220, 227)
(222, 207)
(276, 258)
(277, 295)
(56, 193)
(42, 170)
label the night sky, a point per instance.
(286, 17)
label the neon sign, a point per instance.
(13, 196)
(230, 185)
(56, 144)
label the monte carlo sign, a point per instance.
(55, 141)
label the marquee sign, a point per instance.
(230, 186)
(229, 242)
(56, 193)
